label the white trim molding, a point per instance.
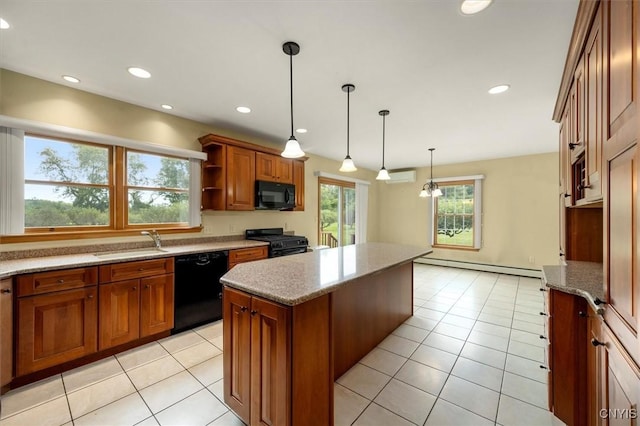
(340, 177)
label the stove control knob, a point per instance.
(277, 245)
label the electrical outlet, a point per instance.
(532, 259)
(286, 226)
(207, 230)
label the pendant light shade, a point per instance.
(347, 163)
(292, 149)
(383, 174)
(430, 189)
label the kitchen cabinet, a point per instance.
(241, 175)
(136, 300)
(257, 377)
(566, 356)
(247, 255)
(595, 369)
(55, 325)
(298, 181)
(273, 168)
(6, 332)
(594, 80)
(233, 166)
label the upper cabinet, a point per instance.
(273, 168)
(233, 166)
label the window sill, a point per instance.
(444, 246)
(78, 235)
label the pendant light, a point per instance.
(383, 174)
(292, 149)
(430, 188)
(347, 163)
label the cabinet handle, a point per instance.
(582, 314)
(542, 336)
(90, 296)
(147, 286)
(140, 269)
(598, 302)
(543, 313)
(567, 195)
(134, 288)
(60, 281)
(596, 342)
(544, 367)
(254, 312)
(5, 291)
(573, 145)
(542, 289)
(580, 187)
(243, 308)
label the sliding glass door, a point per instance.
(337, 215)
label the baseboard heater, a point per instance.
(510, 270)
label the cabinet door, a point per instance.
(270, 355)
(594, 128)
(6, 332)
(241, 176)
(622, 21)
(266, 165)
(284, 170)
(577, 111)
(623, 291)
(247, 255)
(298, 181)
(595, 371)
(237, 352)
(622, 387)
(119, 313)
(55, 328)
(156, 304)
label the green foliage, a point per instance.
(174, 173)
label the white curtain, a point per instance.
(11, 181)
(362, 207)
(195, 194)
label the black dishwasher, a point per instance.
(198, 292)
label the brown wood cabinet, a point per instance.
(298, 181)
(595, 369)
(247, 255)
(594, 81)
(233, 166)
(55, 327)
(257, 377)
(6, 332)
(567, 356)
(273, 168)
(136, 300)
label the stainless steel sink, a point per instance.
(120, 254)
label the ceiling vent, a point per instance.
(405, 176)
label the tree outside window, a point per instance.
(454, 215)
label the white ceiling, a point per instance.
(423, 60)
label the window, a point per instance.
(337, 224)
(457, 214)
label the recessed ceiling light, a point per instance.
(70, 79)
(243, 109)
(139, 72)
(470, 7)
(301, 130)
(166, 106)
(499, 89)
(4, 25)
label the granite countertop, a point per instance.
(292, 280)
(9, 268)
(584, 279)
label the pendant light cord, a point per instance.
(291, 86)
(383, 121)
(348, 92)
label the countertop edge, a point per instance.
(50, 263)
(571, 289)
(316, 293)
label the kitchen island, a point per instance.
(292, 325)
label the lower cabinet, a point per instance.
(278, 363)
(257, 378)
(6, 332)
(135, 308)
(55, 327)
(247, 255)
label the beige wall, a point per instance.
(34, 99)
(520, 211)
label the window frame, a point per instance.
(13, 132)
(476, 181)
(342, 185)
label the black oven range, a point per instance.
(280, 244)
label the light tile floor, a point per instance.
(470, 355)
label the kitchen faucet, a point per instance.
(155, 236)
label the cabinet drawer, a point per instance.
(138, 269)
(248, 254)
(64, 279)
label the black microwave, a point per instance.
(275, 196)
